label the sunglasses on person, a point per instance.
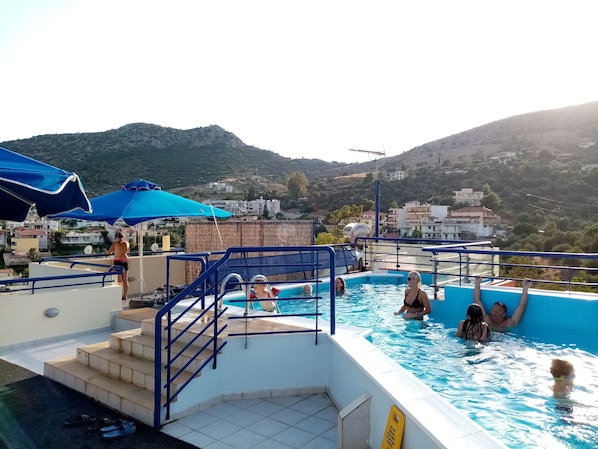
(498, 303)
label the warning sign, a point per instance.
(393, 435)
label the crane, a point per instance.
(378, 153)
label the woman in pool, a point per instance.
(340, 286)
(416, 303)
(262, 290)
(473, 327)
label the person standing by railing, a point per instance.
(416, 303)
(120, 249)
(497, 318)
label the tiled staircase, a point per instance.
(119, 373)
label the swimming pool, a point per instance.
(503, 385)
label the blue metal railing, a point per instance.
(31, 284)
(568, 271)
(214, 268)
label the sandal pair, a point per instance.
(123, 429)
(79, 420)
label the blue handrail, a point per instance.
(207, 283)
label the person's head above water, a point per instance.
(339, 285)
(563, 374)
(475, 313)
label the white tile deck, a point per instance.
(285, 422)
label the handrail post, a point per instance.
(435, 274)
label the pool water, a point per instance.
(503, 385)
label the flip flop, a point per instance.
(102, 422)
(115, 425)
(79, 420)
(126, 428)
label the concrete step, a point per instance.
(127, 398)
(126, 367)
(132, 318)
(135, 343)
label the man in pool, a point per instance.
(497, 318)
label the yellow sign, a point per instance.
(393, 435)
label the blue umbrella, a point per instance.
(25, 182)
(141, 201)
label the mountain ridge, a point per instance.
(179, 159)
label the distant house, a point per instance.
(396, 175)
(475, 222)
(468, 197)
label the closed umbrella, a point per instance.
(141, 201)
(26, 182)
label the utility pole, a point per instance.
(377, 179)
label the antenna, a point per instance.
(383, 154)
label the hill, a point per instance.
(561, 140)
(169, 157)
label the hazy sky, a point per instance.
(300, 78)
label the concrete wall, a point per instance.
(154, 271)
(22, 317)
(346, 366)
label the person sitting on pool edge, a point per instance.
(473, 327)
(262, 290)
(416, 303)
(497, 318)
(563, 374)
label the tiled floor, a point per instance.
(307, 422)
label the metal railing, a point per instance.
(201, 308)
(548, 270)
(32, 284)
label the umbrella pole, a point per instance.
(140, 247)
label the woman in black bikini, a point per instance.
(416, 303)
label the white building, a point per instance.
(468, 197)
(406, 219)
(475, 222)
(82, 238)
(254, 207)
(396, 175)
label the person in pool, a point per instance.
(497, 318)
(416, 303)
(340, 286)
(563, 374)
(473, 327)
(265, 293)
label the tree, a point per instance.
(325, 238)
(490, 199)
(297, 184)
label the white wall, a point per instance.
(346, 366)
(22, 317)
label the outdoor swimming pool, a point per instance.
(504, 385)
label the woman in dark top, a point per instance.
(416, 303)
(473, 327)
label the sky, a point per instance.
(302, 78)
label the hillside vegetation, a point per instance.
(551, 183)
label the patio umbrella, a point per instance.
(141, 201)
(25, 182)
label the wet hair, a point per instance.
(344, 285)
(473, 327)
(118, 235)
(561, 368)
